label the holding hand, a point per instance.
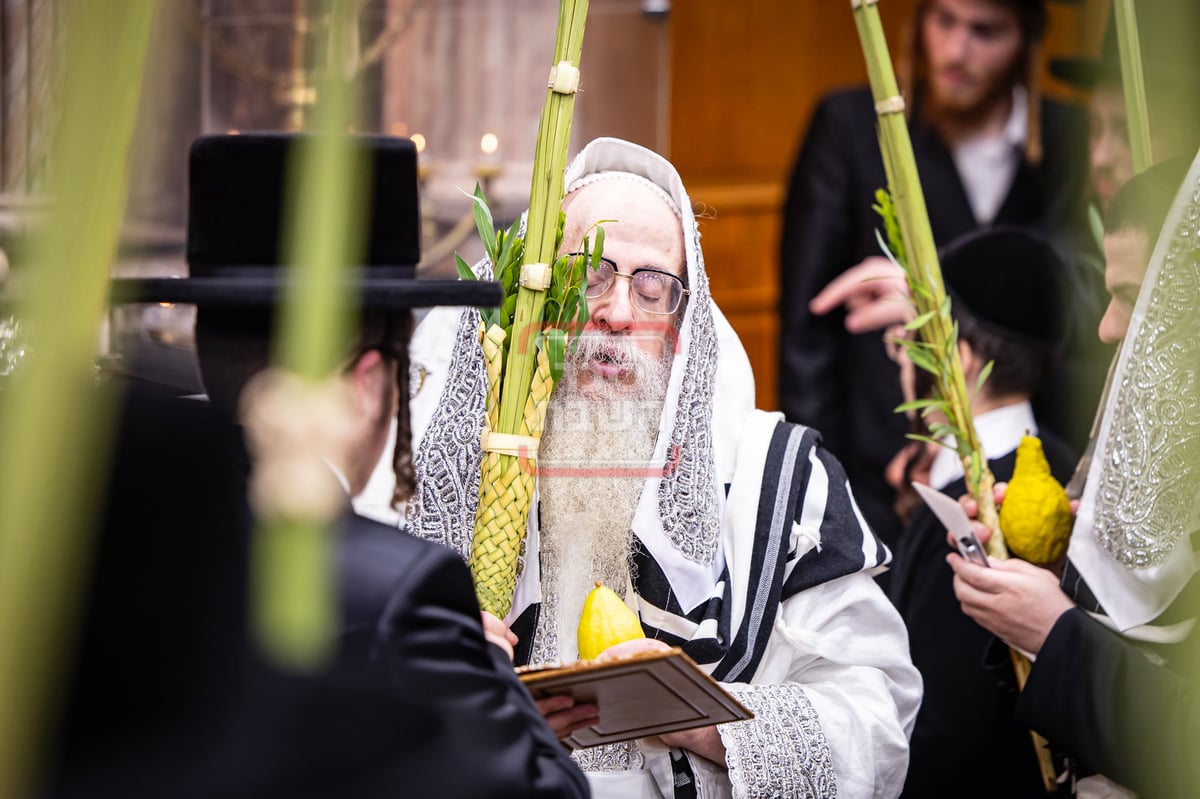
(1015, 600)
(561, 713)
(498, 633)
(704, 741)
(564, 717)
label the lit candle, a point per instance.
(488, 168)
(423, 169)
(489, 144)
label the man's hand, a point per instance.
(704, 741)
(498, 633)
(971, 508)
(561, 712)
(875, 294)
(1015, 600)
(564, 717)
(634, 646)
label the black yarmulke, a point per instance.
(1009, 280)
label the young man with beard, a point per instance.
(733, 534)
(990, 151)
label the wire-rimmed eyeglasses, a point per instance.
(652, 290)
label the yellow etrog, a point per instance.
(1036, 514)
(605, 621)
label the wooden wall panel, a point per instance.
(745, 78)
(738, 237)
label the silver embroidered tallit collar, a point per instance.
(1133, 537)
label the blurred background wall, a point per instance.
(724, 89)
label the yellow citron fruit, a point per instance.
(605, 621)
(1036, 514)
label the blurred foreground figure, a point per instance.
(1167, 32)
(170, 696)
(1114, 682)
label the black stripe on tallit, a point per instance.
(653, 588)
(841, 549)
(785, 472)
(523, 628)
(701, 650)
(683, 776)
(1077, 588)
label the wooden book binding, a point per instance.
(638, 696)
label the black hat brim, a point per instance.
(1082, 73)
(263, 292)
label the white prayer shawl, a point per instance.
(1134, 539)
(768, 587)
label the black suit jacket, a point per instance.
(169, 696)
(411, 620)
(845, 385)
(1098, 697)
(967, 740)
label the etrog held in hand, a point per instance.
(1036, 515)
(606, 621)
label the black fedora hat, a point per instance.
(236, 202)
(1084, 72)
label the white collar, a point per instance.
(1016, 130)
(338, 474)
(999, 433)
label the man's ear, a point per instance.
(367, 382)
(970, 363)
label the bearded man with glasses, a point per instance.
(733, 534)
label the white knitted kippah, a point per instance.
(612, 174)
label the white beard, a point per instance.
(599, 440)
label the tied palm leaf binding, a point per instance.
(507, 480)
(526, 337)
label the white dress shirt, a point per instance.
(999, 433)
(987, 163)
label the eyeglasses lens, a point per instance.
(600, 279)
(656, 292)
(653, 292)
